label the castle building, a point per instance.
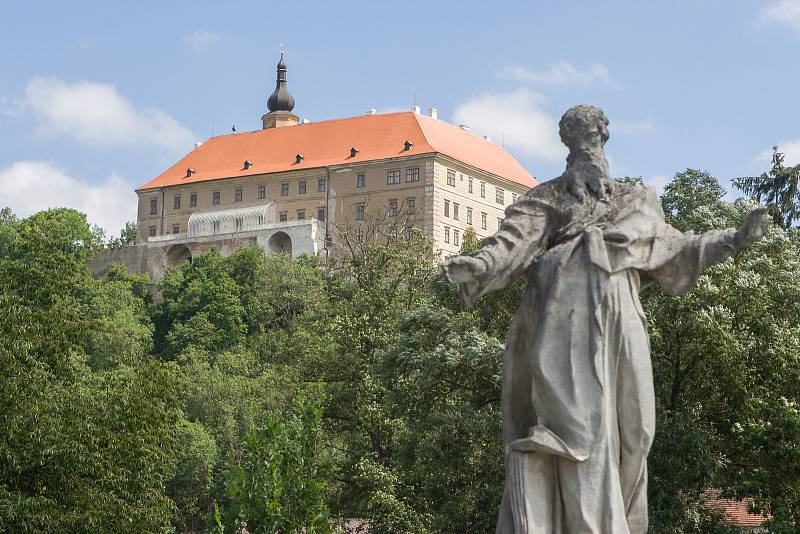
(288, 185)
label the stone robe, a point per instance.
(578, 399)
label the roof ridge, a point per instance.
(324, 121)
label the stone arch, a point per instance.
(178, 254)
(280, 242)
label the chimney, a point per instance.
(433, 112)
(415, 109)
(464, 127)
(370, 111)
(487, 138)
(197, 144)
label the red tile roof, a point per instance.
(735, 512)
(329, 142)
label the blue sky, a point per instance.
(96, 98)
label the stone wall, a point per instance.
(156, 256)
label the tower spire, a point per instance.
(281, 99)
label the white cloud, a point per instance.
(516, 120)
(786, 12)
(561, 73)
(201, 39)
(31, 186)
(95, 113)
(790, 150)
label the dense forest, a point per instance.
(285, 394)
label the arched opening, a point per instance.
(178, 254)
(280, 242)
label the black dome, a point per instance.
(281, 99)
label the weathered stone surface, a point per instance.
(578, 400)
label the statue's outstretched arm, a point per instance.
(677, 272)
(521, 237)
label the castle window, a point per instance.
(469, 215)
(176, 228)
(284, 189)
(237, 195)
(499, 196)
(446, 234)
(469, 185)
(360, 236)
(262, 191)
(176, 202)
(451, 177)
(151, 231)
(411, 204)
(499, 222)
(393, 207)
(153, 207)
(193, 200)
(301, 215)
(513, 197)
(321, 214)
(215, 197)
(393, 177)
(360, 181)
(483, 221)
(301, 187)
(412, 175)
(455, 237)
(483, 189)
(360, 211)
(455, 211)
(447, 208)
(321, 185)
(283, 216)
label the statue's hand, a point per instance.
(464, 269)
(755, 226)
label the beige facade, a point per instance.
(447, 197)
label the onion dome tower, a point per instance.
(280, 103)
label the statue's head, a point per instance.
(584, 128)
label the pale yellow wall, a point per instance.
(460, 195)
(344, 196)
(342, 199)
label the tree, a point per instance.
(281, 482)
(88, 433)
(726, 382)
(128, 234)
(780, 185)
(200, 308)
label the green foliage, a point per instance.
(280, 484)
(191, 485)
(120, 414)
(780, 185)
(201, 308)
(85, 448)
(725, 361)
(127, 235)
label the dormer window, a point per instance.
(299, 158)
(353, 152)
(247, 164)
(190, 172)
(408, 144)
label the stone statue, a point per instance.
(578, 399)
